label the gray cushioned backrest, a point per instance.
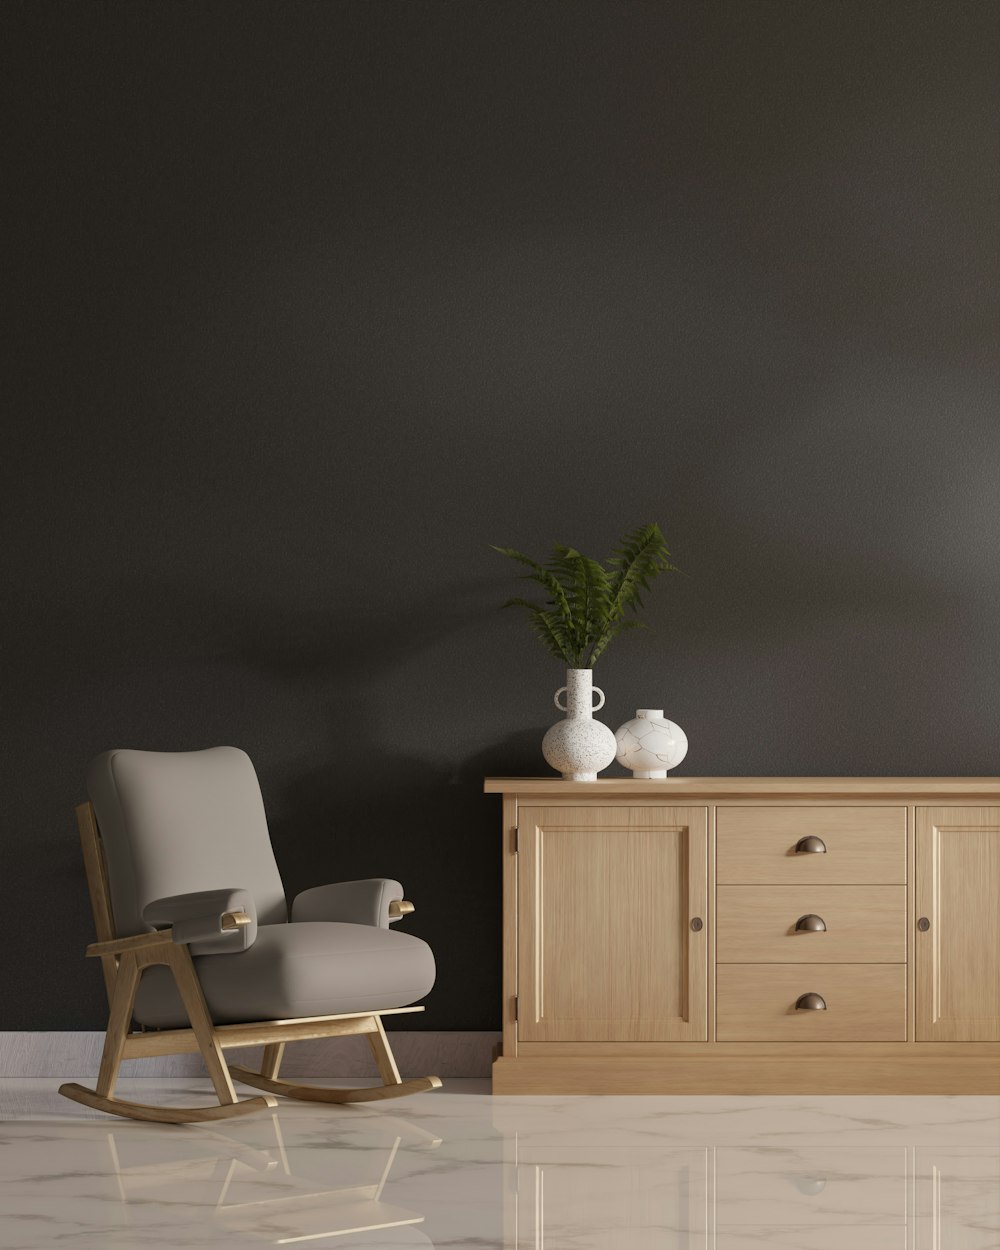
(174, 822)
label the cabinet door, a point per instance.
(958, 955)
(606, 897)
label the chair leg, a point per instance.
(271, 1061)
(119, 1020)
(130, 966)
(393, 1086)
(189, 987)
(385, 1060)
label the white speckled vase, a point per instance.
(579, 746)
(649, 745)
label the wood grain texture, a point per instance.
(865, 1002)
(865, 845)
(756, 924)
(329, 1093)
(911, 923)
(693, 789)
(957, 961)
(606, 896)
(748, 1074)
(96, 870)
(119, 1020)
(383, 1056)
(790, 1050)
(509, 858)
(270, 1060)
(164, 1115)
(183, 1041)
(138, 941)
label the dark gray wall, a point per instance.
(310, 302)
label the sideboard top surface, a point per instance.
(676, 788)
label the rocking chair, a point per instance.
(198, 948)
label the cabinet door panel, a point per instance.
(958, 956)
(606, 896)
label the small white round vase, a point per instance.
(649, 745)
(579, 746)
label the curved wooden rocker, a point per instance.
(164, 1115)
(124, 960)
(393, 1086)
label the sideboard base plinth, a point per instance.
(750, 1075)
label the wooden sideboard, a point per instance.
(750, 935)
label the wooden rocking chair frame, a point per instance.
(123, 960)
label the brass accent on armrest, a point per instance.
(400, 907)
(138, 941)
(234, 920)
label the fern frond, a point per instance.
(587, 603)
(587, 583)
(642, 555)
(554, 636)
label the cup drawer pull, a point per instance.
(810, 1002)
(810, 924)
(810, 846)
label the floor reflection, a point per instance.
(460, 1169)
(281, 1193)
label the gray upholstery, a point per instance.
(356, 902)
(177, 822)
(303, 969)
(185, 839)
(196, 920)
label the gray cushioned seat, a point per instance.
(178, 826)
(313, 968)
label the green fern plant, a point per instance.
(587, 604)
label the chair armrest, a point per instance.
(377, 901)
(209, 922)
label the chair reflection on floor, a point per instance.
(276, 1194)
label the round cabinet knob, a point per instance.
(810, 846)
(923, 924)
(810, 924)
(810, 1002)
(697, 924)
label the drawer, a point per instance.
(811, 1186)
(864, 845)
(756, 924)
(864, 1002)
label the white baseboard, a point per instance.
(76, 1055)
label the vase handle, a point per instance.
(562, 706)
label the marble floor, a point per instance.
(460, 1169)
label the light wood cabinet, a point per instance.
(958, 928)
(607, 896)
(751, 935)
